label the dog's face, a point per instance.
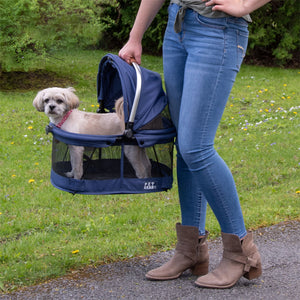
(55, 102)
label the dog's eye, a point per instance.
(46, 100)
(59, 101)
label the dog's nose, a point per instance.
(51, 107)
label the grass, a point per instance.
(45, 233)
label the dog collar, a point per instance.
(64, 119)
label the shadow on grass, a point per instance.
(39, 79)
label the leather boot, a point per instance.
(190, 253)
(240, 258)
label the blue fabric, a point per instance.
(69, 138)
(117, 78)
(111, 186)
(145, 138)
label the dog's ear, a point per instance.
(72, 99)
(119, 107)
(38, 101)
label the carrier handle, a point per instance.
(129, 129)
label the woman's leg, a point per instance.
(192, 201)
(191, 251)
(213, 53)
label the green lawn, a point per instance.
(45, 233)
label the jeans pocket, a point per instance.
(210, 22)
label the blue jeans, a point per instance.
(200, 66)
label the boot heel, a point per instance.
(200, 269)
(254, 272)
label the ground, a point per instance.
(39, 79)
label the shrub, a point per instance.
(274, 32)
(31, 28)
(118, 18)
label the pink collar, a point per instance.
(64, 119)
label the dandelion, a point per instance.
(295, 112)
(12, 143)
(266, 90)
(31, 181)
(29, 127)
(284, 84)
(13, 175)
(92, 105)
(75, 251)
(248, 86)
(297, 192)
(36, 163)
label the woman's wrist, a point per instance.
(237, 8)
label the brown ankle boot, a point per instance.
(190, 253)
(239, 259)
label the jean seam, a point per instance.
(213, 95)
(218, 191)
(220, 201)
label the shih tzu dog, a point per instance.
(60, 105)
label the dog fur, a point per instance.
(57, 102)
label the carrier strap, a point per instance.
(64, 119)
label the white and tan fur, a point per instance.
(56, 102)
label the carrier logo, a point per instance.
(150, 185)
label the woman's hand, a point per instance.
(131, 51)
(236, 8)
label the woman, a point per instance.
(204, 45)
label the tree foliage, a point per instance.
(119, 20)
(274, 32)
(32, 28)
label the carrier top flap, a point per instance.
(117, 78)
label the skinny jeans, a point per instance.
(200, 66)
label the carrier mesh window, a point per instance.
(110, 162)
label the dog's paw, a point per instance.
(69, 174)
(74, 174)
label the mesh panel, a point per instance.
(110, 162)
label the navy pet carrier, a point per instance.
(106, 168)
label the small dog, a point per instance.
(60, 104)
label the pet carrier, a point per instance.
(107, 168)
